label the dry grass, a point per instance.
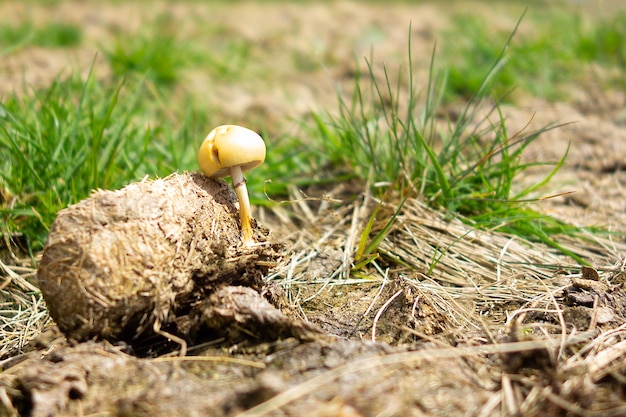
(503, 297)
(439, 254)
(23, 313)
(486, 290)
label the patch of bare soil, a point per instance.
(453, 321)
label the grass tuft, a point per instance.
(50, 35)
(59, 144)
(157, 58)
(394, 136)
(543, 62)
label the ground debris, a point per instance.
(321, 377)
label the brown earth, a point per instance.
(496, 327)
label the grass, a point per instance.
(386, 136)
(50, 35)
(544, 62)
(160, 54)
(59, 143)
(158, 57)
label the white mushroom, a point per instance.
(228, 151)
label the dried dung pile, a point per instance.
(123, 265)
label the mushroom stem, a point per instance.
(239, 184)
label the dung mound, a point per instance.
(128, 264)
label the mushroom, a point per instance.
(229, 150)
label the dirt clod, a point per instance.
(241, 312)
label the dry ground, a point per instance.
(497, 327)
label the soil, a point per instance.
(499, 327)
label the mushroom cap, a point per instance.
(227, 146)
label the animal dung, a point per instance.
(125, 264)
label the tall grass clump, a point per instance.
(393, 138)
(59, 144)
